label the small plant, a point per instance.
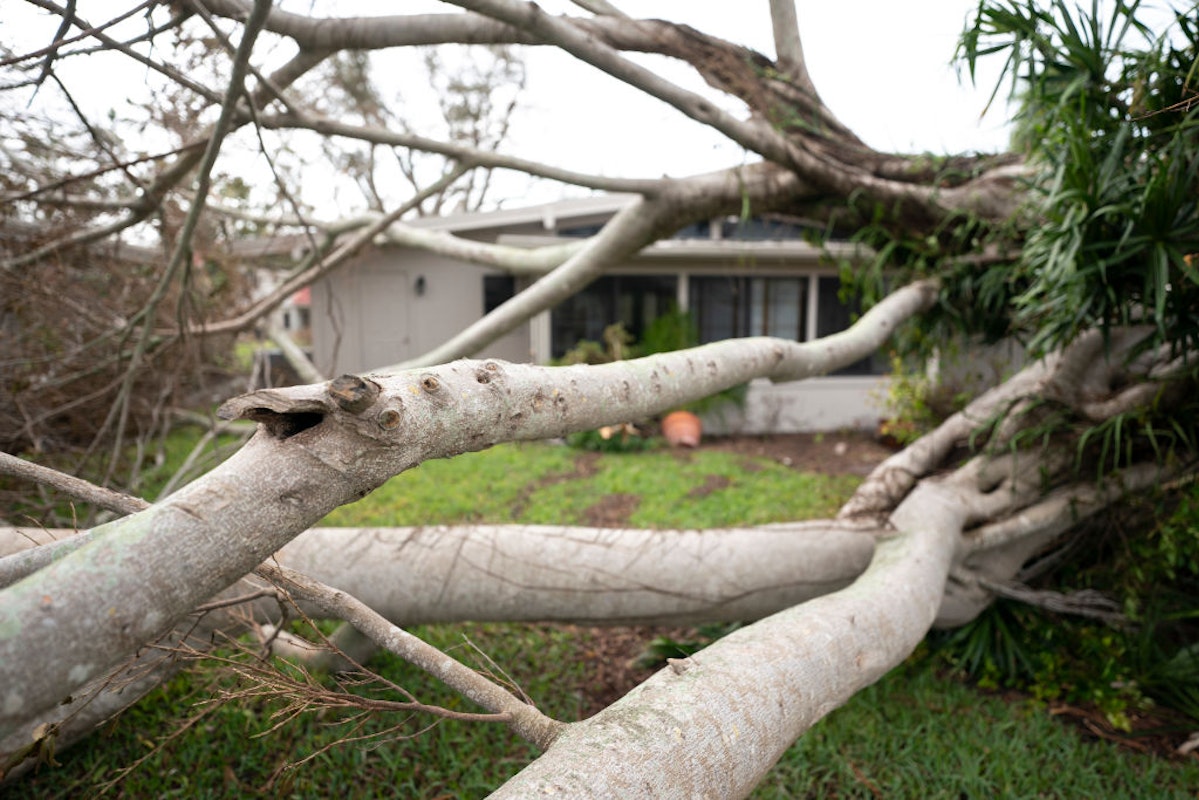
(623, 438)
(663, 648)
(674, 330)
(617, 344)
(915, 403)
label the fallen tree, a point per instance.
(1101, 292)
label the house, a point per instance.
(736, 278)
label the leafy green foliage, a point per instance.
(1108, 125)
(1142, 433)
(1108, 120)
(915, 403)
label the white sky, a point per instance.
(882, 66)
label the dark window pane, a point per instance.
(497, 289)
(696, 230)
(635, 300)
(728, 307)
(784, 305)
(834, 316)
(716, 305)
(580, 231)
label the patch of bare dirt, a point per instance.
(1161, 732)
(713, 483)
(611, 656)
(586, 464)
(611, 511)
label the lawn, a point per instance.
(914, 734)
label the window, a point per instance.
(728, 307)
(497, 289)
(635, 300)
(835, 316)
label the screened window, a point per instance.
(726, 307)
(635, 300)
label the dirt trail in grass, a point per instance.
(849, 453)
(585, 465)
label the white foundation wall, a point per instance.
(818, 404)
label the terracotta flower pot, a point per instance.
(682, 429)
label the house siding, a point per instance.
(393, 304)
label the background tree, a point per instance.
(1082, 245)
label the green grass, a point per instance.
(708, 490)
(912, 735)
(916, 734)
(230, 753)
(475, 487)
(548, 484)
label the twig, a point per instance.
(1083, 603)
(69, 484)
(525, 719)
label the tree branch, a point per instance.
(525, 719)
(332, 443)
(740, 702)
(307, 120)
(75, 487)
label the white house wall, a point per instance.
(378, 311)
(830, 403)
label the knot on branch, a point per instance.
(290, 410)
(352, 393)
